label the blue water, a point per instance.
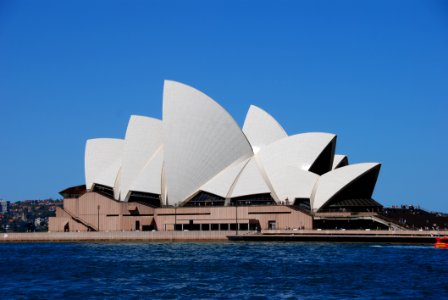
(222, 270)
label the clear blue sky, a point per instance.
(373, 72)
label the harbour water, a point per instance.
(222, 270)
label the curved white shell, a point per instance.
(143, 138)
(150, 178)
(300, 150)
(250, 181)
(102, 161)
(332, 182)
(221, 184)
(290, 182)
(200, 138)
(338, 158)
(261, 128)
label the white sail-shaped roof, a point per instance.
(221, 184)
(102, 161)
(200, 138)
(261, 128)
(150, 178)
(332, 182)
(290, 182)
(339, 161)
(199, 147)
(300, 150)
(250, 181)
(143, 138)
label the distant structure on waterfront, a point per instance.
(4, 206)
(198, 170)
(28, 215)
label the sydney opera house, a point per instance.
(196, 169)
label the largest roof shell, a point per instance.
(200, 139)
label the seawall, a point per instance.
(374, 236)
(116, 236)
(342, 236)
